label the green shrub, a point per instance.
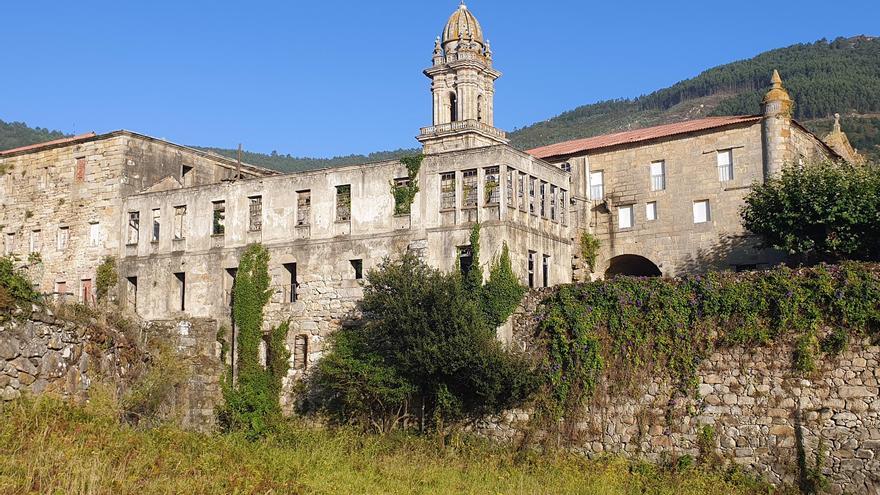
(502, 293)
(15, 287)
(106, 279)
(404, 195)
(589, 249)
(251, 403)
(822, 212)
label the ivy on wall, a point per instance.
(590, 249)
(635, 326)
(404, 195)
(106, 279)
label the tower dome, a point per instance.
(462, 25)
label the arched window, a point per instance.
(480, 108)
(453, 107)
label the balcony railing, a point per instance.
(463, 125)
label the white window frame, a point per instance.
(702, 211)
(657, 171)
(725, 165)
(597, 189)
(651, 211)
(94, 234)
(625, 218)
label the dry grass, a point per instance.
(49, 447)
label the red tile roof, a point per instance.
(639, 135)
(48, 143)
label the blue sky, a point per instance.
(333, 77)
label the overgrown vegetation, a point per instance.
(405, 194)
(423, 355)
(589, 249)
(251, 400)
(106, 279)
(820, 212)
(49, 447)
(660, 326)
(15, 287)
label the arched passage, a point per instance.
(632, 264)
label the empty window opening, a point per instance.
(156, 226)
(553, 194)
(303, 207)
(701, 211)
(9, 243)
(597, 185)
(469, 188)
(300, 352)
(181, 290)
(358, 267)
(63, 238)
(291, 284)
(134, 227)
(255, 213)
(545, 271)
(179, 222)
(465, 259)
(521, 191)
(61, 291)
(480, 108)
(725, 165)
(86, 296)
(509, 187)
(543, 199)
(566, 167)
(532, 186)
(625, 217)
(447, 191)
(492, 186)
(563, 206)
(658, 175)
(343, 203)
(131, 292)
(651, 211)
(186, 175)
(218, 226)
(35, 244)
(453, 107)
(532, 255)
(94, 234)
(402, 202)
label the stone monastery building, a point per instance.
(662, 200)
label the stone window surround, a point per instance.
(621, 211)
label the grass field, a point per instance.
(49, 447)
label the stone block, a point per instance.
(9, 347)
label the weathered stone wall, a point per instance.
(40, 354)
(762, 414)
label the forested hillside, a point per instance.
(824, 78)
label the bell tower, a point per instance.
(462, 88)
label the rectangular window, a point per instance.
(63, 238)
(701, 211)
(543, 199)
(553, 194)
(94, 234)
(651, 211)
(134, 227)
(658, 175)
(181, 290)
(563, 206)
(509, 187)
(186, 175)
(131, 292)
(597, 185)
(303, 207)
(61, 291)
(625, 217)
(358, 267)
(292, 284)
(255, 213)
(80, 173)
(85, 295)
(179, 222)
(545, 271)
(465, 259)
(725, 165)
(532, 255)
(492, 186)
(447, 191)
(154, 237)
(343, 203)
(402, 198)
(469, 188)
(521, 191)
(9, 243)
(532, 185)
(35, 246)
(218, 225)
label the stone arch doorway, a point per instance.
(633, 265)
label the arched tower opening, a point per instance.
(632, 265)
(453, 107)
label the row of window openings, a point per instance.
(465, 262)
(62, 239)
(626, 214)
(657, 172)
(492, 194)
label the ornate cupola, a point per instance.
(463, 88)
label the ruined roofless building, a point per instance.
(661, 200)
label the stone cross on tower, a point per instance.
(463, 88)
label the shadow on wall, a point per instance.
(730, 252)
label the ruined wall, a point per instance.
(761, 414)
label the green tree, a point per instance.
(252, 401)
(422, 348)
(820, 212)
(502, 292)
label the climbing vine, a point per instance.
(637, 326)
(589, 249)
(106, 278)
(405, 194)
(252, 401)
